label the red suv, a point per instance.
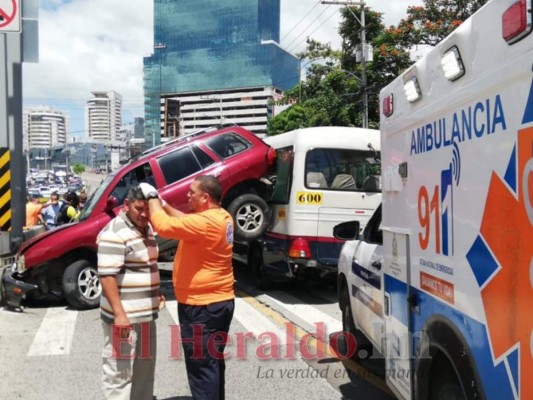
(62, 261)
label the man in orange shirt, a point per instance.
(33, 212)
(202, 277)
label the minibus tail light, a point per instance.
(516, 21)
(300, 249)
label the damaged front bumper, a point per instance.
(12, 289)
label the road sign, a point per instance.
(10, 16)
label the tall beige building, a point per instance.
(103, 116)
(44, 127)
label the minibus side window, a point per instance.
(342, 170)
(282, 187)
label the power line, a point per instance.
(317, 28)
(312, 22)
(298, 23)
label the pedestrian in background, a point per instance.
(33, 212)
(69, 211)
(202, 278)
(50, 212)
(83, 199)
(127, 267)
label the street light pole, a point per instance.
(361, 3)
(363, 67)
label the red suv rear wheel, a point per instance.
(251, 215)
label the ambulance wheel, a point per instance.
(251, 215)
(257, 268)
(444, 383)
(81, 285)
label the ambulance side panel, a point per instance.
(457, 217)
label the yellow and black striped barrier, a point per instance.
(5, 190)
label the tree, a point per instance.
(78, 168)
(429, 24)
(332, 92)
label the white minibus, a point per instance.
(324, 175)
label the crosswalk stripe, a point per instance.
(252, 320)
(55, 334)
(172, 308)
(309, 314)
(255, 322)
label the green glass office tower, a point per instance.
(204, 45)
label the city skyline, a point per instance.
(225, 53)
(78, 55)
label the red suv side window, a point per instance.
(227, 145)
(178, 164)
(204, 160)
(143, 173)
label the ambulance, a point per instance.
(441, 281)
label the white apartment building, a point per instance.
(250, 108)
(44, 127)
(103, 116)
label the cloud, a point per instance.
(95, 45)
(91, 45)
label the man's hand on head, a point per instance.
(149, 191)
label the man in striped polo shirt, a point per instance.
(127, 266)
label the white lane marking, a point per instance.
(55, 334)
(309, 314)
(256, 322)
(252, 319)
(172, 308)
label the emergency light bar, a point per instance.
(516, 21)
(452, 64)
(412, 89)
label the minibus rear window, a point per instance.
(282, 187)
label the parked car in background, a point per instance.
(34, 192)
(74, 187)
(45, 191)
(62, 262)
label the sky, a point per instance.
(99, 45)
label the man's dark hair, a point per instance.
(135, 193)
(211, 185)
(72, 198)
(54, 194)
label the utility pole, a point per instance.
(361, 3)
